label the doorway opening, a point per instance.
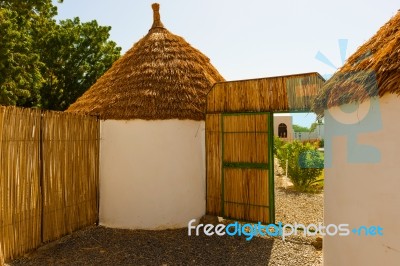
(298, 186)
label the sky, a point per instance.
(249, 39)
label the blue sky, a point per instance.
(248, 39)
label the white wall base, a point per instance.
(152, 173)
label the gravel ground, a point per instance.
(292, 206)
(106, 246)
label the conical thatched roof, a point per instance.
(160, 77)
(374, 69)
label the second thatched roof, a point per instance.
(373, 70)
(160, 77)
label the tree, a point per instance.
(298, 128)
(75, 54)
(46, 64)
(30, 11)
(20, 77)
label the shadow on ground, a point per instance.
(106, 246)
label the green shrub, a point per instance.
(278, 143)
(305, 163)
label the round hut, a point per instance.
(151, 104)
(361, 106)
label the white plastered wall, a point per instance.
(364, 193)
(152, 173)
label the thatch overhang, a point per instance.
(373, 70)
(160, 77)
(272, 94)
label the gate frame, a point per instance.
(285, 94)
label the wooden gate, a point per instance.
(240, 167)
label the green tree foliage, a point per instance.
(298, 128)
(305, 163)
(21, 25)
(76, 54)
(48, 64)
(278, 144)
(20, 76)
(30, 11)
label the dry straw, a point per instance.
(1, 257)
(373, 70)
(283, 93)
(70, 173)
(160, 77)
(214, 163)
(48, 176)
(245, 191)
(20, 204)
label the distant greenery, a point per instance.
(48, 64)
(298, 128)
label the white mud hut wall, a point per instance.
(152, 173)
(363, 193)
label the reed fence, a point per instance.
(48, 177)
(238, 166)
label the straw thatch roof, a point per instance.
(374, 69)
(160, 77)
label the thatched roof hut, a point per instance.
(160, 77)
(374, 69)
(152, 132)
(361, 105)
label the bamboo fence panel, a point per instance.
(48, 177)
(70, 173)
(20, 220)
(284, 93)
(246, 195)
(246, 138)
(214, 163)
(2, 262)
(242, 139)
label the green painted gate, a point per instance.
(240, 180)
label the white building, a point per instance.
(317, 133)
(283, 128)
(283, 125)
